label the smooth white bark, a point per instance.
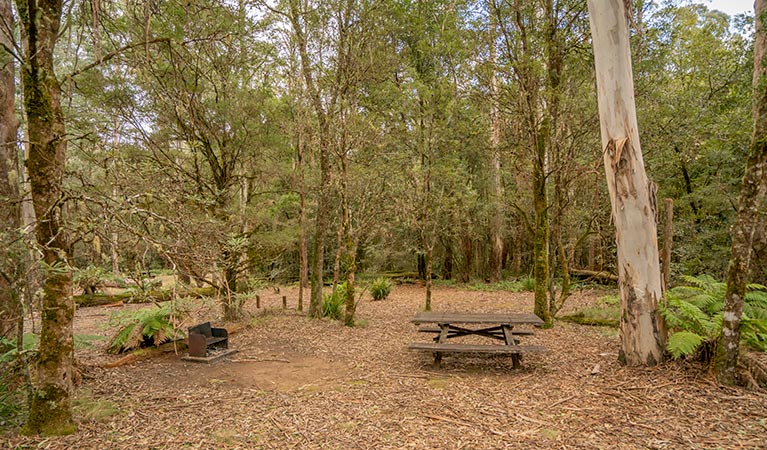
(631, 196)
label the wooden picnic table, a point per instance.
(497, 326)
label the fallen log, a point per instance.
(601, 276)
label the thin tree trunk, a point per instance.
(753, 186)
(10, 206)
(340, 236)
(447, 264)
(429, 260)
(468, 257)
(633, 210)
(321, 222)
(668, 238)
(541, 232)
(50, 410)
(114, 237)
(496, 194)
(303, 275)
(516, 261)
(351, 305)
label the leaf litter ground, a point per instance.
(301, 383)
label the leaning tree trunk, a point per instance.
(753, 186)
(50, 409)
(633, 207)
(10, 207)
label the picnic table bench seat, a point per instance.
(476, 348)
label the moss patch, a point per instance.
(86, 407)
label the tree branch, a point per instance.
(112, 54)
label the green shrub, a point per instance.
(381, 288)
(146, 327)
(30, 343)
(528, 284)
(525, 284)
(694, 316)
(333, 304)
(11, 402)
(89, 278)
(610, 300)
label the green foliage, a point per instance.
(11, 402)
(608, 316)
(89, 278)
(524, 284)
(694, 316)
(30, 343)
(146, 327)
(610, 300)
(381, 288)
(333, 304)
(683, 343)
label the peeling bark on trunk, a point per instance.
(50, 409)
(633, 210)
(10, 206)
(752, 188)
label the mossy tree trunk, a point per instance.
(541, 232)
(351, 266)
(633, 205)
(10, 206)
(752, 187)
(50, 408)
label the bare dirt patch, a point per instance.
(301, 383)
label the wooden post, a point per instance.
(668, 237)
(258, 301)
(284, 302)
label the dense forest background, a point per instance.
(211, 137)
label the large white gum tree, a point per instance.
(631, 193)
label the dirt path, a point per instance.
(300, 383)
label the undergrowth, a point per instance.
(333, 303)
(605, 313)
(380, 288)
(524, 284)
(147, 326)
(694, 317)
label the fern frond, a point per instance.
(693, 318)
(683, 343)
(121, 338)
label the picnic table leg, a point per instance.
(442, 339)
(509, 338)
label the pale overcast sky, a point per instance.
(731, 6)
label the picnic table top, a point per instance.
(481, 318)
